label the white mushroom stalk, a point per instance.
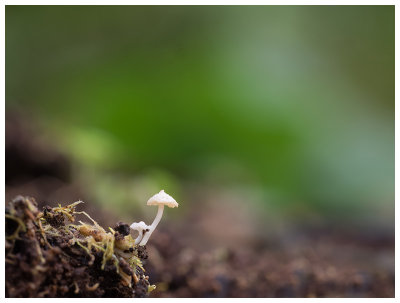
(160, 199)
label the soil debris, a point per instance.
(49, 254)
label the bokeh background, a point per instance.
(264, 122)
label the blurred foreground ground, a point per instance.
(216, 250)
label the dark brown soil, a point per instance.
(49, 256)
(313, 266)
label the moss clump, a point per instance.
(49, 254)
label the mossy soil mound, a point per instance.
(49, 254)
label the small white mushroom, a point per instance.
(142, 228)
(160, 199)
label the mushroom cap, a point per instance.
(139, 225)
(162, 198)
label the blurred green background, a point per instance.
(292, 106)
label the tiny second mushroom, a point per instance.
(142, 228)
(160, 199)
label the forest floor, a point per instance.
(197, 258)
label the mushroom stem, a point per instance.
(139, 237)
(153, 225)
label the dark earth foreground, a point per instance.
(49, 256)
